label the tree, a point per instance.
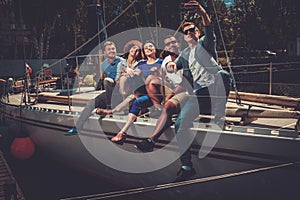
(44, 17)
(260, 24)
(61, 26)
(279, 21)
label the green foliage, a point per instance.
(261, 24)
(53, 24)
(61, 25)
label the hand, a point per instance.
(153, 69)
(168, 97)
(171, 67)
(130, 72)
(117, 82)
(194, 6)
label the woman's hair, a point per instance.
(127, 49)
(157, 51)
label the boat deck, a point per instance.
(267, 144)
(275, 118)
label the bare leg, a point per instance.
(124, 87)
(130, 120)
(164, 121)
(171, 107)
(121, 136)
(153, 87)
(122, 106)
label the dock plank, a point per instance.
(6, 178)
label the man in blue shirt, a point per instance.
(109, 70)
(110, 75)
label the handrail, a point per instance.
(264, 64)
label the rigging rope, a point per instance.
(137, 23)
(81, 46)
(147, 20)
(238, 98)
(179, 27)
(155, 19)
(92, 38)
(104, 14)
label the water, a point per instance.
(40, 177)
(44, 178)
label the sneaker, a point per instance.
(204, 120)
(145, 145)
(72, 131)
(184, 175)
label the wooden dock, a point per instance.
(9, 188)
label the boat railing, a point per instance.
(269, 78)
(272, 78)
(65, 81)
(267, 74)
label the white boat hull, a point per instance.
(90, 152)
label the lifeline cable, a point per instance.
(237, 96)
(109, 195)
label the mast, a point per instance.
(95, 24)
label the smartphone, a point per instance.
(189, 6)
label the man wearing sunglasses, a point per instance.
(201, 70)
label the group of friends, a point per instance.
(171, 82)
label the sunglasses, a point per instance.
(191, 30)
(170, 43)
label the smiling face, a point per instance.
(171, 45)
(191, 33)
(134, 51)
(149, 49)
(110, 51)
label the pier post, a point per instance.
(271, 77)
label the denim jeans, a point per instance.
(98, 102)
(221, 89)
(109, 85)
(219, 92)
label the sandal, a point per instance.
(101, 111)
(119, 138)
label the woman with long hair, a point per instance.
(146, 68)
(132, 56)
